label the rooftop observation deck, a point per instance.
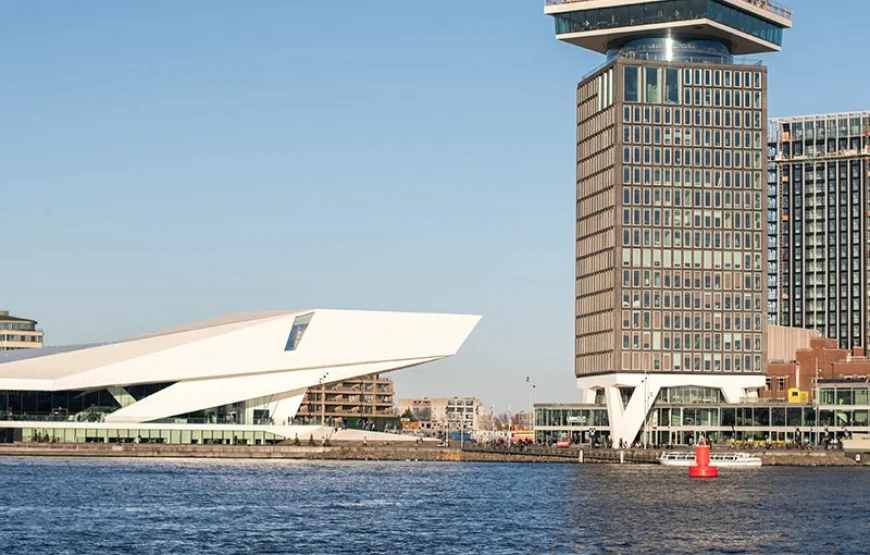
(743, 26)
(772, 7)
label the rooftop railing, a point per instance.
(765, 5)
(654, 57)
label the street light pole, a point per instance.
(322, 381)
(447, 428)
(817, 400)
(509, 426)
(645, 408)
(531, 408)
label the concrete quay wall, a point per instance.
(395, 452)
(808, 458)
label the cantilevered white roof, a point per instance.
(242, 357)
(54, 363)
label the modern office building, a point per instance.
(19, 333)
(671, 157)
(363, 402)
(239, 378)
(817, 225)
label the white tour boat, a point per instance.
(721, 460)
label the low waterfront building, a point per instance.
(19, 333)
(438, 415)
(680, 416)
(576, 422)
(235, 379)
(363, 402)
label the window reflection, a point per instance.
(632, 84)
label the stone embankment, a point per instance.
(394, 452)
(806, 458)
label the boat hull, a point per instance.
(720, 461)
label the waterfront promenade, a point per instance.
(399, 452)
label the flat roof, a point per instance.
(5, 317)
(833, 115)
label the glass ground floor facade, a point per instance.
(684, 424)
(681, 415)
(33, 432)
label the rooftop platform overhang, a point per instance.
(602, 40)
(762, 9)
(745, 26)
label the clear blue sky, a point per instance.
(163, 162)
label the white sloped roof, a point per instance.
(59, 362)
(249, 344)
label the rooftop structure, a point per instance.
(609, 26)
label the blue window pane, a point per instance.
(300, 324)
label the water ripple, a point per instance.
(167, 506)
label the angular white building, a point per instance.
(238, 378)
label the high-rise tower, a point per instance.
(671, 199)
(818, 225)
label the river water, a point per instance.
(160, 506)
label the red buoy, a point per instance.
(702, 468)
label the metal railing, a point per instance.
(766, 5)
(656, 57)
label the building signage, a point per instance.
(577, 420)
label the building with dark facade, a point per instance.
(671, 201)
(817, 225)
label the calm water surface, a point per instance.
(59, 506)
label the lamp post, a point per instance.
(645, 408)
(509, 420)
(447, 428)
(817, 400)
(321, 382)
(531, 408)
